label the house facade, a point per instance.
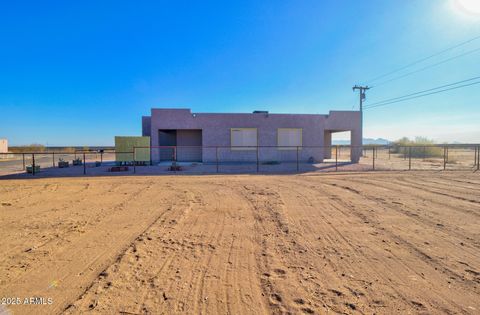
(207, 137)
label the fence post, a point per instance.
(424, 153)
(258, 167)
(478, 158)
(444, 157)
(101, 157)
(298, 167)
(134, 162)
(216, 156)
(475, 158)
(409, 158)
(23, 156)
(84, 164)
(389, 152)
(336, 158)
(175, 158)
(33, 164)
(53, 159)
(373, 157)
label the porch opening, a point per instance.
(183, 145)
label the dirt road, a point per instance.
(340, 243)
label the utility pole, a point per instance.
(362, 90)
(362, 98)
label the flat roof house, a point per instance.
(279, 136)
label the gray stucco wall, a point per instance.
(189, 144)
(216, 131)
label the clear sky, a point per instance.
(81, 72)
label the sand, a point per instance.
(404, 242)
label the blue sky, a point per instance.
(81, 72)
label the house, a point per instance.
(3, 146)
(207, 137)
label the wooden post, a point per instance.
(23, 156)
(134, 162)
(389, 153)
(84, 164)
(53, 159)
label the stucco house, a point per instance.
(206, 137)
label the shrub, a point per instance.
(28, 148)
(421, 147)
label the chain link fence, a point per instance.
(255, 159)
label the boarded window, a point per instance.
(244, 138)
(289, 138)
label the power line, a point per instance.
(423, 59)
(428, 67)
(420, 92)
(413, 97)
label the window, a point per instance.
(289, 138)
(244, 138)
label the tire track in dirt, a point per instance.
(276, 245)
(344, 252)
(330, 243)
(412, 183)
(446, 234)
(196, 257)
(449, 183)
(88, 301)
(76, 261)
(392, 203)
(63, 236)
(413, 249)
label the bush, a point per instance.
(28, 148)
(420, 147)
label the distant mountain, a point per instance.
(378, 141)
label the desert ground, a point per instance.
(376, 242)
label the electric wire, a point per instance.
(423, 59)
(424, 91)
(427, 67)
(422, 95)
